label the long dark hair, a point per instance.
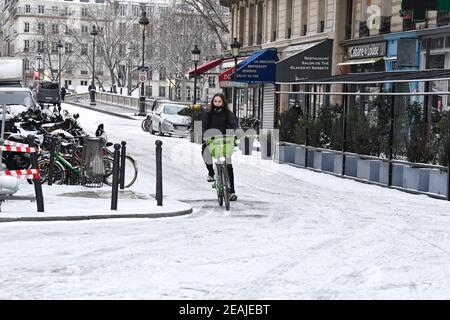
(224, 100)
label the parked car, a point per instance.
(167, 118)
(47, 92)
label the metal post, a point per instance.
(37, 181)
(115, 182)
(159, 186)
(93, 103)
(307, 102)
(235, 90)
(344, 130)
(59, 72)
(142, 95)
(448, 164)
(391, 136)
(195, 83)
(123, 153)
(51, 165)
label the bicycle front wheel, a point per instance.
(219, 186)
(131, 171)
(226, 188)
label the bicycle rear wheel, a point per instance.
(59, 173)
(226, 187)
(131, 171)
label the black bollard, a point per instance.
(115, 182)
(37, 181)
(123, 153)
(269, 144)
(51, 165)
(159, 186)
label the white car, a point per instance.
(167, 118)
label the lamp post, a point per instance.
(92, 89)
(39, 65)
(59, 46)
(235, 47)
(195, 59)
(143, 22)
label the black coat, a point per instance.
(221, 120)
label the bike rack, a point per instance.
(33, 173)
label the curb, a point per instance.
(98, 216)
(102, 111)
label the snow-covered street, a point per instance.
(292, 234)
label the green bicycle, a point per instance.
(221, 149)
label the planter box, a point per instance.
(337, 166)
(299, 156)
(286, 153)
(424, 179)
(351, 166)
(438, 182)
(397, 174)
(374, 167)
(411, 178)
(311, 155)
(317, 160)
(328, 161)
(384, 172)
(363, 170)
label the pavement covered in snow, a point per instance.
(292, 234)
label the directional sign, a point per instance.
(142, 76)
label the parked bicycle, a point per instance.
(221, 149)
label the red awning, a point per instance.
(205, 67)
(226, 75)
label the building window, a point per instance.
(123, 10)
(54, 47)
(84, 0)
(83, 82)
(84, 49)
(26, 45)
(26, 63)
(149, 91)
(54, 10)
(68, 47)
(162, 74)
(41, 27)
(41, 9)
(27, 8)
(84, 12)
(55, 28)
(99, 1)
(84, 29)
(40, 45)
(26, 27)
(162, 91)
(212, 81)
(437, 43)
(67, 83)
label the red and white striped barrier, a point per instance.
(18, 149)
(23, 174)
(15, 144)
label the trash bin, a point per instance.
(93, 169)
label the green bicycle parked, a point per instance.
(221, 149)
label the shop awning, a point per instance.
(205, 67)
(380, 77)
(310, 62)
(225, 80)
(229, 62)
(360, 61)
(258, 68)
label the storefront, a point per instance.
(303, 62)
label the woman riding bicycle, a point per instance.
(218, 116)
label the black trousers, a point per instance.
(208, 162)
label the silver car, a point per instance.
(168, 119)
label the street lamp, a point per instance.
(195, 59)
(39, 64)
(59, 46)
(235, 47)
(92, 89)
(143, 23)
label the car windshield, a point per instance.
(173, 109)
(16, 98)
(48, 85)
